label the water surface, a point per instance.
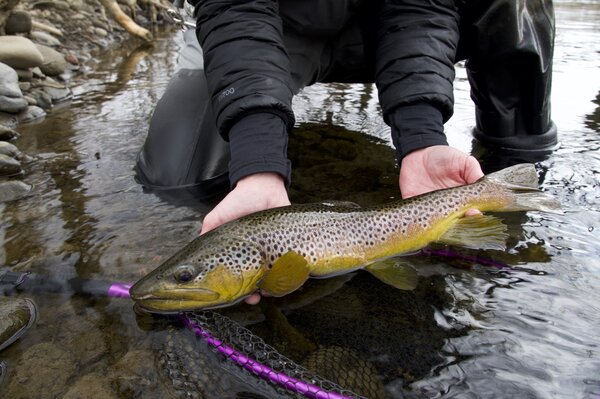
(527, 329)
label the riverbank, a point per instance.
(46, 49)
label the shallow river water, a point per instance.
(529, 328)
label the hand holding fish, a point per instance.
(435, 168)
(252, 193)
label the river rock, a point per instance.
(9, 166)
(58, 94)
(19, 52)
(9, 82)
(31, 114)
(42, 98)
(49, 4)
(93, 385)
(43, 371)
(13, 190)
(135, 374)
(54, 62)
(44, 38)
(17, 315)
(12, 105)
(25, 86)
(18, 22)
(25, 75)
(7, 121)
(9, 149)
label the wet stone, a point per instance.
(41, 98)
(54, 62)
(12, 105)
(17, 315)
(9, 149)
(43, 371)
(135, 375)
(31, 113)
(93, 385)
(44, 38)
(13, 190)
(18, 22)
(9, 166)
(9, 82)
(7, 133)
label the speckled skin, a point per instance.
(230, 260)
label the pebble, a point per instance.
(44, 38)
(54, 62)
(7, 133)
(17, 315)
(12, 190)
(9, 149)
(19, 52)
(12, 105)
(31, 114)
(18, 22)
(9, 166)
(9, 81)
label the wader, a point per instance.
(508, 45)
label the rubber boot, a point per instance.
(183, 151)
(509, 47)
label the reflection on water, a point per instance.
(526, 329)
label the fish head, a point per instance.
(212, 271)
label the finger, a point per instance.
(472, 212)
(253, 299)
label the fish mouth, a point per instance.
(176, 300)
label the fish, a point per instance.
(276, 250)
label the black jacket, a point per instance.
(409, 51)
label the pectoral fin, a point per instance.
(478, 232)
(288, 273)
(396, 272)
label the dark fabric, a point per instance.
(183, 148)
(258, 143)
(416, 126)
(509, 46)
(258, 54)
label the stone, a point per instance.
(12, 105)
(25, 75)
(31, 114)
(42, 98)
(19, 52)
(9, 166)
(30, 100)
(58, 94)
(17, 315)
(9, 82)
(18, 22)
(51, 4)
(44, 38)
(54, 62)
(7, 123)
(13, 190)
(43, 371)
(25, 86)
(93, 385)
(9, 149)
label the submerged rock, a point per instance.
(43, 371)
(9, 166)
(13, 190)
(17, 315)
(9, 149)
(31, 113)
(54, 62)
(7, 133)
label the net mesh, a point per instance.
(250, 354)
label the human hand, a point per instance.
(252, 193)
(437, 167)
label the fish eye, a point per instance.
(184, 274)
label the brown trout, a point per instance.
(276, 250)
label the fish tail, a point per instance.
(521, 183)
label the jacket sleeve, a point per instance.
(245, 62)
(417, 42)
